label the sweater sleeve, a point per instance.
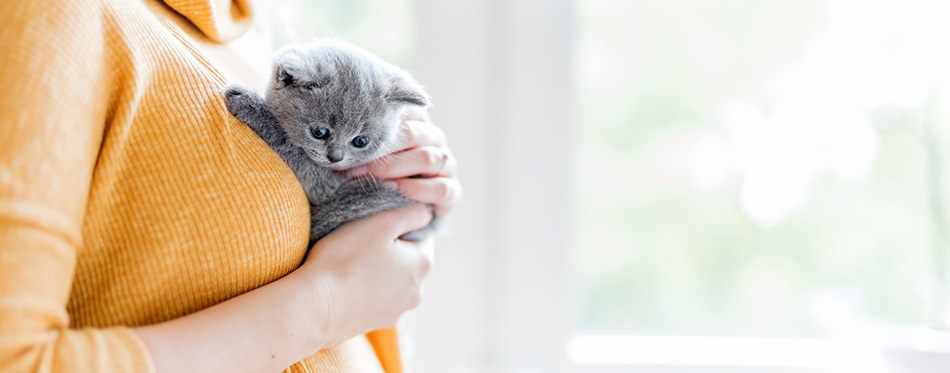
(55, 87)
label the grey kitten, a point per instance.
(330, 105)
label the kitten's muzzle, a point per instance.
(334, 158)
(336, 154)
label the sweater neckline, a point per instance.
(219, 20)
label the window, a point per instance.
(752, 168)
(677, 186)
(762, 169)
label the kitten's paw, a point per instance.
(233, 91)
(237, 99)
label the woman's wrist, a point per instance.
(314, 310)
(266, 329)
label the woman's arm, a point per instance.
(357, 279)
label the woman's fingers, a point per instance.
(423, 169)
(389, 224)
(420, 133)
(428, 161)
(424, 260)
(407, 219)
(443, 192)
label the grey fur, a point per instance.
(345, 89)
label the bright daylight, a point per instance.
(469, 186)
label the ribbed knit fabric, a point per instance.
(128, 195)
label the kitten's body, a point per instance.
(348, 92)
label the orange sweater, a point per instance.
(128, 195)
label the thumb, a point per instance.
(406, 219)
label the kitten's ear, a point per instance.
(284, 77)
(291, 70)
(288, 69)
(407, 91)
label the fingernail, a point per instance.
(357, 172)
(390, 185)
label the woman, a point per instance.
(142, 228)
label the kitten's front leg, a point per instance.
(250, 108)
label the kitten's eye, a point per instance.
(319, 133)
(360, 141)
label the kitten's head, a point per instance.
(339, 103)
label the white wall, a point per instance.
(449, 330)
(500, 75)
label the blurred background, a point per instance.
(678, 186)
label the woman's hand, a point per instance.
(366, 275)
(423, 168)
(369, 276)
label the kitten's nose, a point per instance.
(334, 158)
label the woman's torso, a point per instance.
(187, 207)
